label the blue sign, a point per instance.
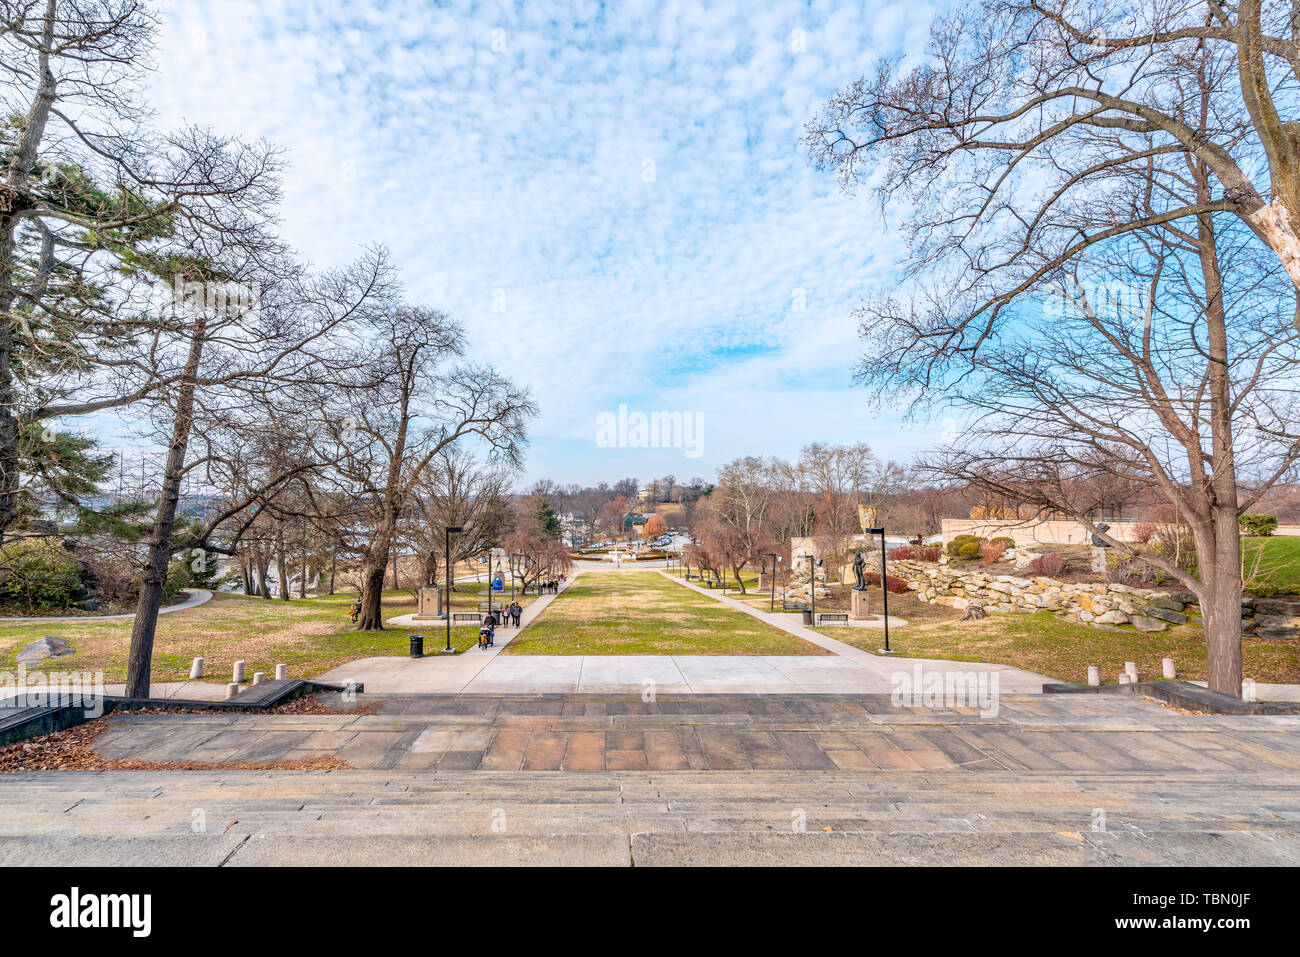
(498, 584)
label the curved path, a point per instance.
(197, 596)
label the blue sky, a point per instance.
(613, 199)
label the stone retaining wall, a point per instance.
(1100, 603)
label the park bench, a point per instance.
(793, 606)
(465, 616)
(484, 606)
(839, 617)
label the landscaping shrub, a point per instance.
(1143, 532)
(969, 550)
(1258, 525)
(991, 552)
(895, 585)
(916, 553)
(178, 579)
(112, 579)
(1048, 565)
(959, 542)
(38, 575)
(1006, 541)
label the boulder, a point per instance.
(47, 646)
(1164, 614)
(1145, 623)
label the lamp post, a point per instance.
(447, 540)
(771, 606)
(884, 584)
(812, 585)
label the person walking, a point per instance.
(490, 623)
(516, 610)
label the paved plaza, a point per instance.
(685, 779)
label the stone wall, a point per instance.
(1100, 603)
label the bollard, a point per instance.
(1094, 676)
(1170, 672)
(232, 689)
(281, 672)
(237, 676)
(1132, 669)
(196, 669)
(258, 677)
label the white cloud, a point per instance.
(523, 169)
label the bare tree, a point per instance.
(1085, 276)
(457, 490)
(411, 400)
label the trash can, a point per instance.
(807, 616)
(417, 646)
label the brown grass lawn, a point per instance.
(310, 635)
(1050, 645)
(639, 612)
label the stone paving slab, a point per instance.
(651, 818)
(725, 733)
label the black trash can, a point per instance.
(807, 616)
(417, 646)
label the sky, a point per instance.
(613, 199)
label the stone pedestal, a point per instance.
(859, 605)
(429, 601)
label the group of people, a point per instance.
(552, 587)
(506, 615)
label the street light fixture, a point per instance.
(447, 540)
(771, 606)
(884, 584)
(813, 563)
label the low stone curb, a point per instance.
(1181, 694)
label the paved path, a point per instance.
(435, 673)
(196, 596)
(682, 780)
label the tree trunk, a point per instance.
(140, 658)
(282, 565)
(372, 593)
(1220, 572)
(334, 564)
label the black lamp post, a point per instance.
(447, 539)
(771, 606)
(884, 584)
(812, 585)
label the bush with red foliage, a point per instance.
(916, 553)
(1143, 532)
(1047, 565)
(896, 585)
(991, 552)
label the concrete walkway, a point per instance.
(197, 596)
(435, 673)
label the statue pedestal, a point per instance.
(859, 605)
(429, 603)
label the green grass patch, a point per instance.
(642, 613)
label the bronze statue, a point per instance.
(860, 572)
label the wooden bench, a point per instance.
(793, 606)
(465, 616)
(840, 617)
